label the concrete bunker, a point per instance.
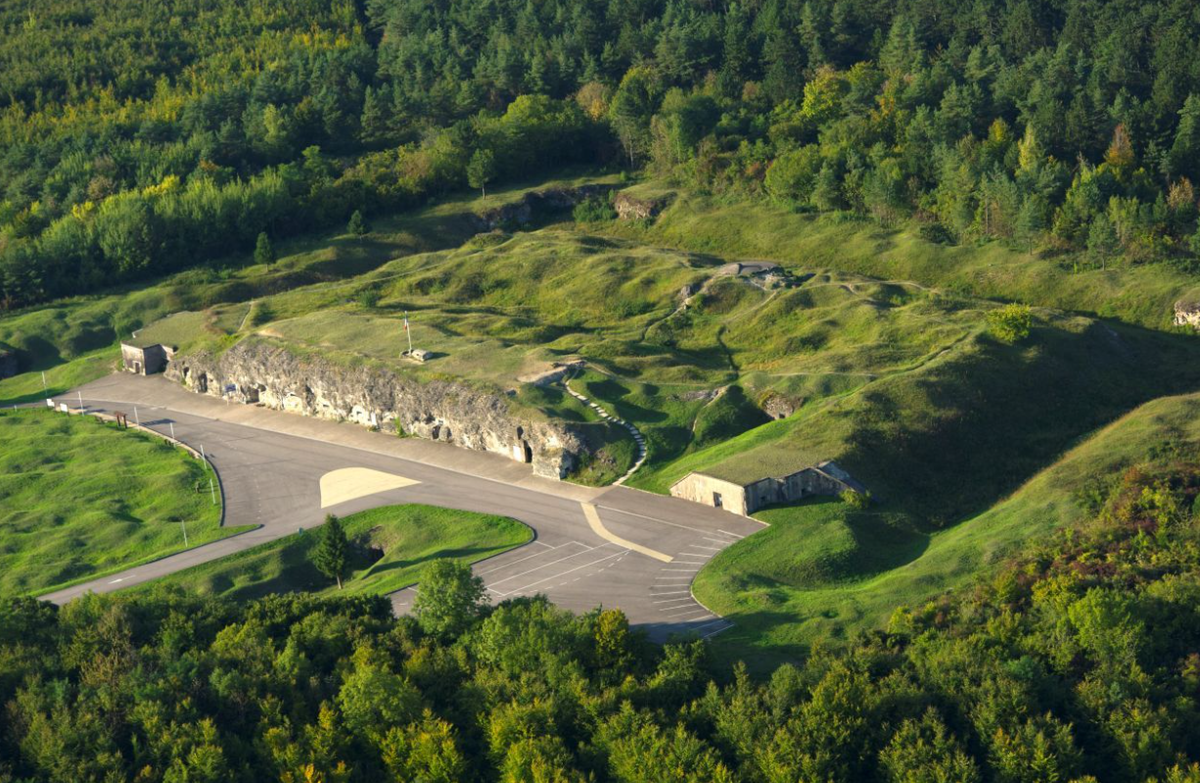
(825, 478)
(146, 359)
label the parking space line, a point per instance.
(698, 546)
(672, 600)
(672, 592)
(545, 565)
(564, 573)
(680, 611)
(502, 566)
(735, 535)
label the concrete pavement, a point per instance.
(631, 550)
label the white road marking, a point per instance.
(698, 546)
(672, 592)
(556, 576)
(726, 542)
(726, 532)
(122, 579)
(546, 565)
(682, 610)
(530, 557)
(671, 600)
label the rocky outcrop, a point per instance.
(632, 208)
(263, 373)
(535, 204)
(1187, 314)
(777, 406)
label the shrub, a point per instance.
(856, 500)
(936, 233)
(594, 209)
(368, 298)
(1011, 323)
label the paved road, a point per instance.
(270, 466)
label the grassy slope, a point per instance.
(410, 535)
(1141, 295)
(823, 571)
(80, 499)
(74, 340)
(954, 435)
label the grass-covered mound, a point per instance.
(410, 536)
(80, 499)
(955, 433)
(1141, 294)
(673, 346)
(823, 571)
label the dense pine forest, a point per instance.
(1077, 662)
(141, 138)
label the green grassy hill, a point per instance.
(823, 571)
(80, 499)
(1142, 294)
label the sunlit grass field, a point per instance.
(80, 498)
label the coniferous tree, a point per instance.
(332, 555)
(358, 224)
(263, 252)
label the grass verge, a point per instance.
(410, 537)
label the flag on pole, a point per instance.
(406, 320)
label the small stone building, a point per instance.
(146, 360)
(825, 478)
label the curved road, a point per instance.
(614, 546)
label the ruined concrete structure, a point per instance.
(632, 208)
(534, 204)
(263, 373)
(146, 360)
(1187, 314)
(825, 478)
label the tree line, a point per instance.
(139, 138)
(1077, 661)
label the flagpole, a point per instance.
(408, 332)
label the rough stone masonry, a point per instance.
(262, 373)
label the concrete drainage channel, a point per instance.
(637, 435)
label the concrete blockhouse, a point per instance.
(825, 478)
(146, 359)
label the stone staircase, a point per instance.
(604, 414)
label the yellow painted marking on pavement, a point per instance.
(593, 518)
(345, 484)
